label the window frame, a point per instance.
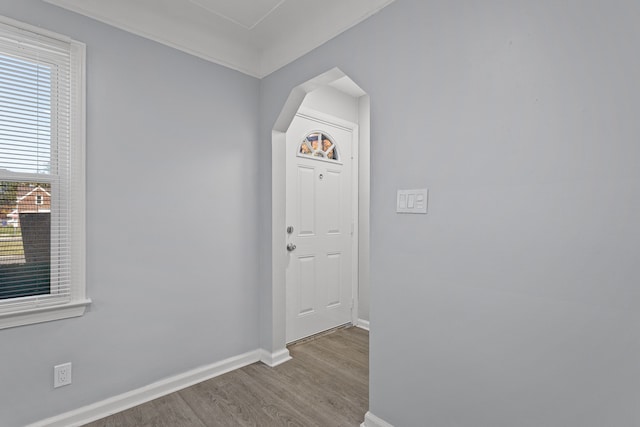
(322, 158)
(77, 300)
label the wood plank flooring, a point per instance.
(326, 384)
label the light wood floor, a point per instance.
(326, 384)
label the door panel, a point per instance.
(306, 200)
(319, 284)
(306, 284)
(331, 201)
(333, 280)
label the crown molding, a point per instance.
(257, 51)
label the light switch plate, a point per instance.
(412, 201)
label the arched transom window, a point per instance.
(319, 144)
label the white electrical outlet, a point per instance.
(62, 375)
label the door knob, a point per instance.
(291, 247)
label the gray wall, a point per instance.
(515, 300)
(171, 214)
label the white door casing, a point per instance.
(320, 273)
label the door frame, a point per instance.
(274, 350)
(323, 118)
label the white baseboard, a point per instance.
(127, 400)
(364, 324)
(274, 359)
(371, 420)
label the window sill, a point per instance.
(44, 314)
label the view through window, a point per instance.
(318, 144)
(25, 177)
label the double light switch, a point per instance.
(412, 201)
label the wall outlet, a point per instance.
(61, 375)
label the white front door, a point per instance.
(319, 217)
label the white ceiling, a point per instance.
(255, 37)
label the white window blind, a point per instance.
(41, 172)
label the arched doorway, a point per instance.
(332, 81)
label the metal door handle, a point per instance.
(291, 247)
